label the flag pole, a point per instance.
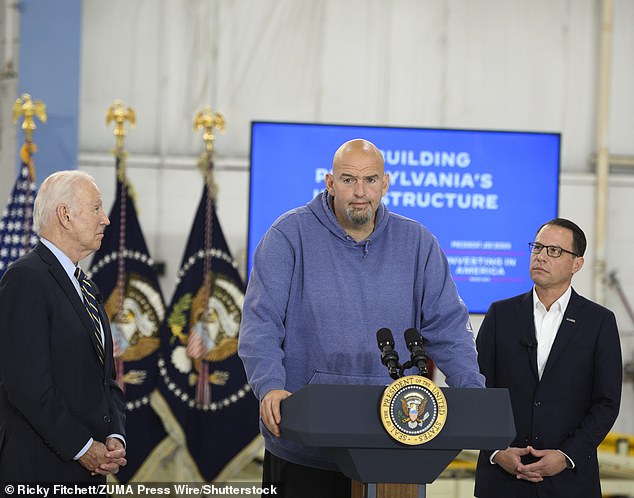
(208, 121)
(27, 108)
(119, 115)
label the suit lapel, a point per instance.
(566, 330)
(58, 273)
(527, 330)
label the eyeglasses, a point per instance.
(552, 251)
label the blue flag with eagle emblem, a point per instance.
(123, 270)
(204, 390)
(16, 226)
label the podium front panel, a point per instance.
(348, 416)
(344, 419)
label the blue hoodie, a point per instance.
(316, 298)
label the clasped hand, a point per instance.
(104, 459)
(549, 463)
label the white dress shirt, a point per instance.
(547, 323)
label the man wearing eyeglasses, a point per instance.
(559, 355)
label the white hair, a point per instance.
(56, 189)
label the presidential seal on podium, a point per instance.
(413, 409)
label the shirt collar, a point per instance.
(64, 260)
(560, 305)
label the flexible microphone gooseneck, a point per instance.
(389, 357)
(418, 356)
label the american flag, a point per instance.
(16, 232)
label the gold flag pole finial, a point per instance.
(119, 114)
(24, 106)
(209, 120)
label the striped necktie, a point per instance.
(90, 302)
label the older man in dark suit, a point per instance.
(559, 355)
(61, 411)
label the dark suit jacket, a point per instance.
(54, 392)
(571, 408)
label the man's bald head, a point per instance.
(358, 151)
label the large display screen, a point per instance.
(482, 193)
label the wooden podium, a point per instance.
(344, 420)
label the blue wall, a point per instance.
(50, 36)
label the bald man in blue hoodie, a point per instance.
(325, 277)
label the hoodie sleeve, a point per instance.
(446, 329)
(262, 330)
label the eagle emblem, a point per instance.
(135, 319)
(413, 405)
(206, 331)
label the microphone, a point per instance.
(389, 357)
(418, 356)
(529, 343)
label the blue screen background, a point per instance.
(515, 175)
